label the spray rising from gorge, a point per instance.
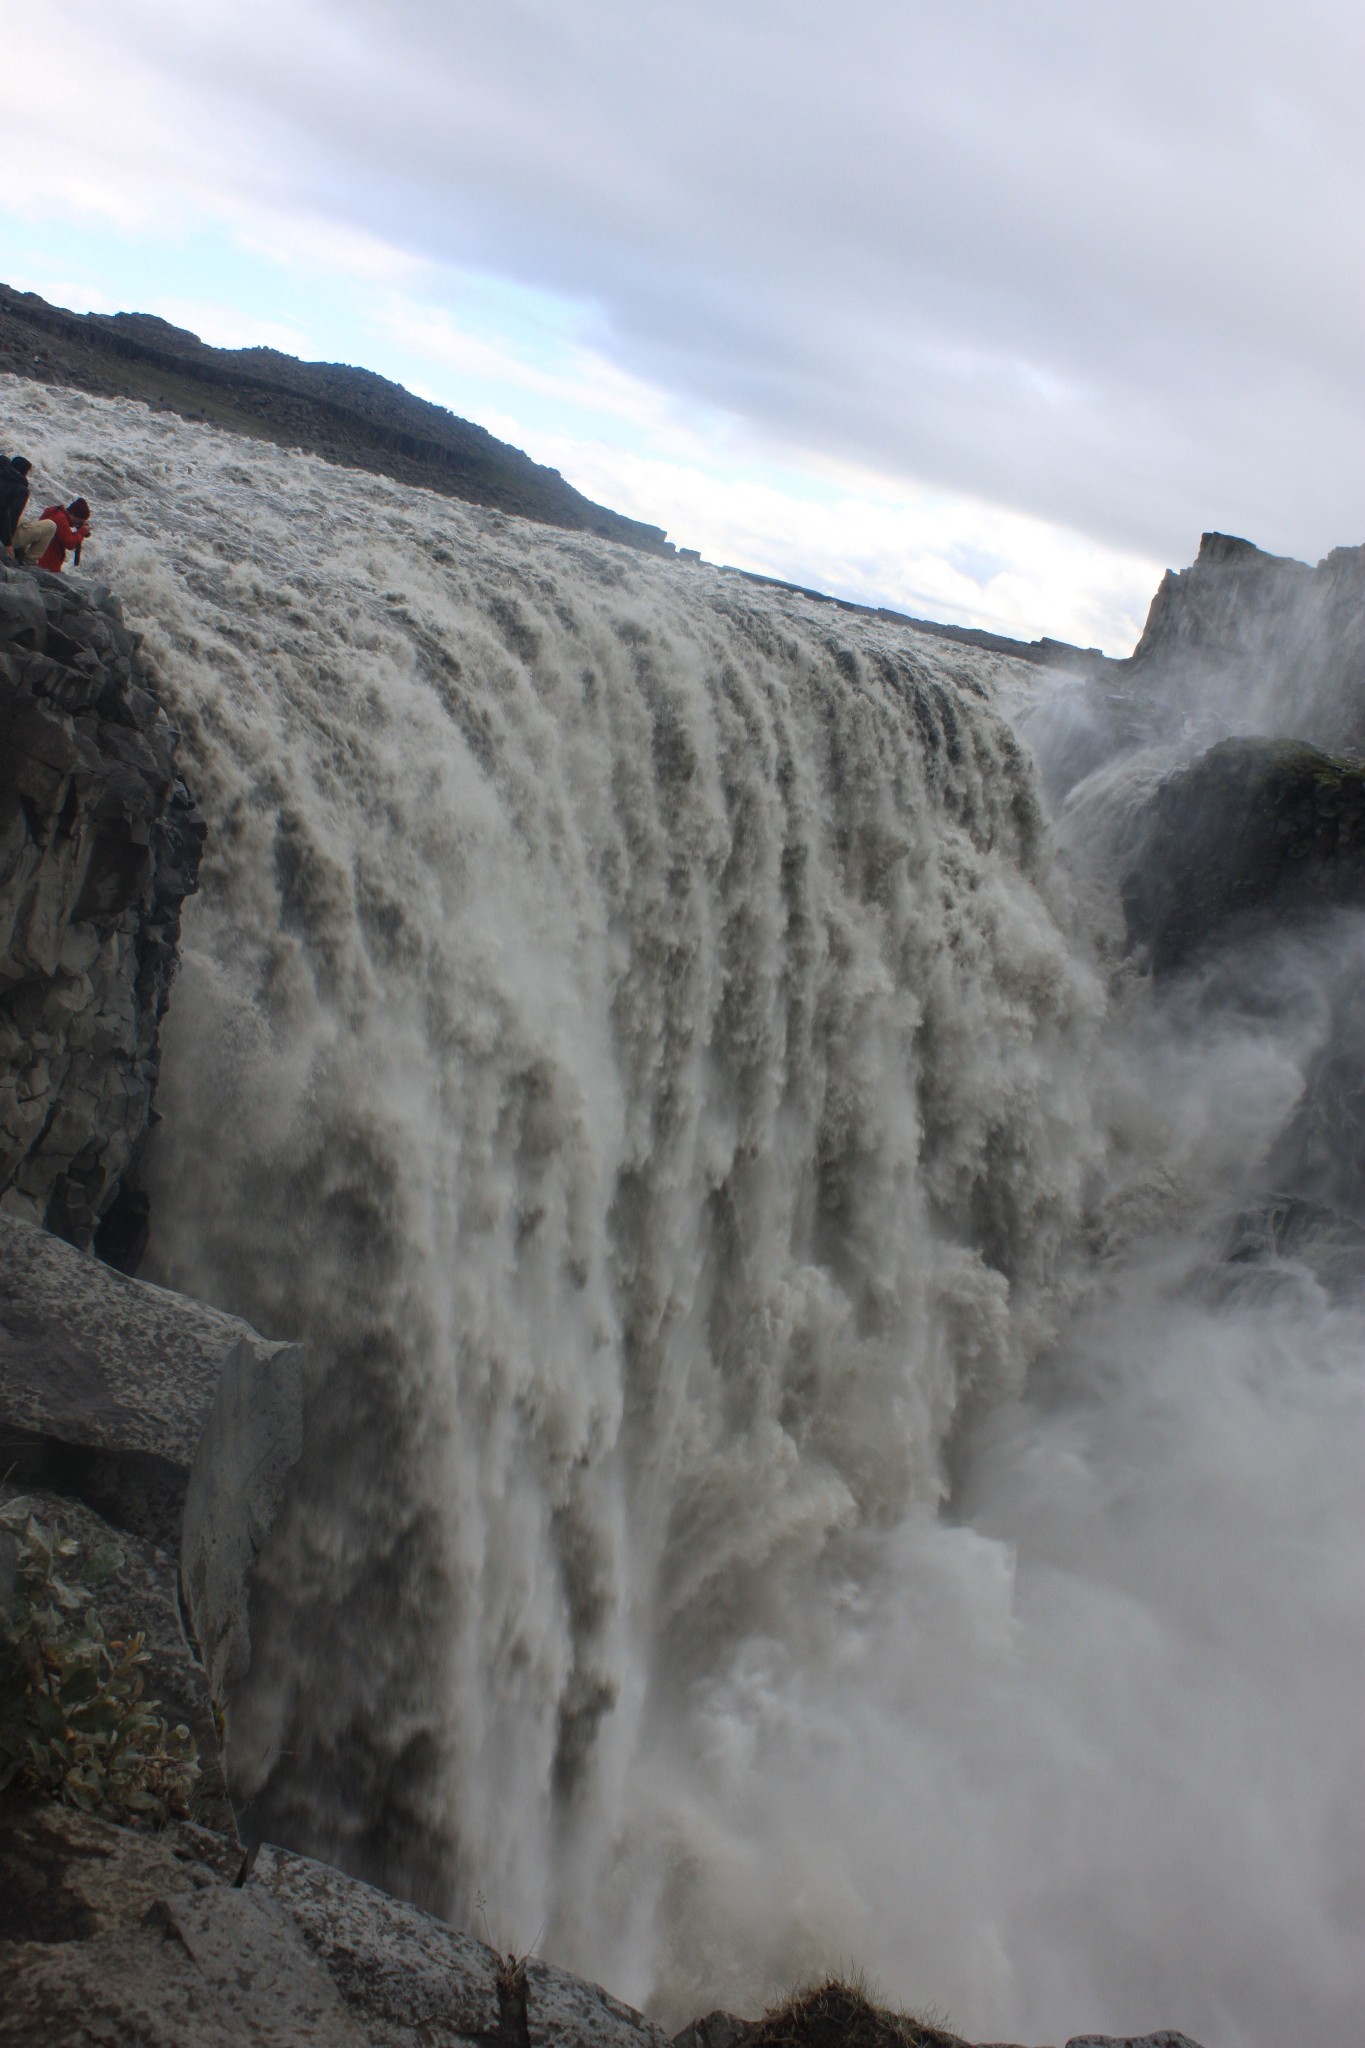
(791, 1475)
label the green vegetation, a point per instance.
(73, 1721)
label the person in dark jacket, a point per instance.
(71, 525)
(13, 495)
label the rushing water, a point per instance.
(794, 1474)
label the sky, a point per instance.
(980, 310)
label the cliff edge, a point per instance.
(99, 846)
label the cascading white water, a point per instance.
(632, 1029)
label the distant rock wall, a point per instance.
(1286, 637)
(99, 845)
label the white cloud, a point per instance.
(52, 281)
(225, 326)
(560, 369)
(863, 537)
(1089, 264)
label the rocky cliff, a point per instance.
(1263, 632)
(99, 845)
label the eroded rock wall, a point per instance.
(99, 845)
(1273, 635)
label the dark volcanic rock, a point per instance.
(1263, 634)
(99, 845)
(1254, 827)
(346, 415)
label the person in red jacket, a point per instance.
(72, 524)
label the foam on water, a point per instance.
(791, 1476)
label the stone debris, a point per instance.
(99, 845)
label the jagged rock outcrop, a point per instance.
(1265, 632)
(99, 845)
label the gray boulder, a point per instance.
(108, 1936)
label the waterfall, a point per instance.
(782, 1485)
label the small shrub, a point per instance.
(840, 2014)
(73, 1720)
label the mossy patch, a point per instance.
(1253, 830)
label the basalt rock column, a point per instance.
(99, 845)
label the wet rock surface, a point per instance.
(172, 1940)
(99, 845)
(1255, 826)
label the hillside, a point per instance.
(347, 416)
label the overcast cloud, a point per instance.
(1095, 265)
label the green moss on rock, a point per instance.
(1255, 828)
